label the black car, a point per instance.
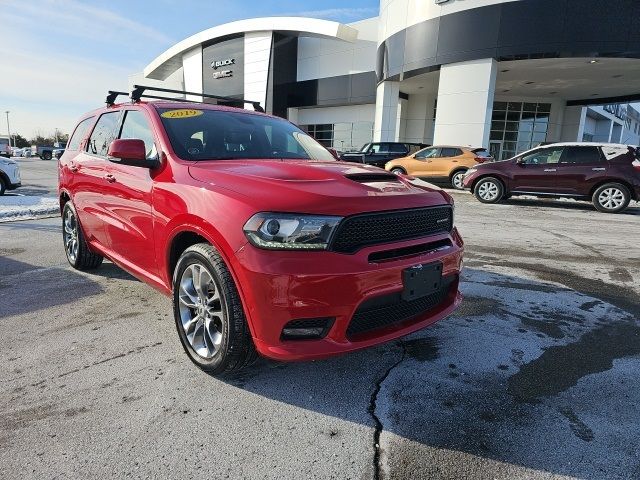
(379, 153)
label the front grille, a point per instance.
(391, 309)
(392, 226)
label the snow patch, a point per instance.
(15, 207)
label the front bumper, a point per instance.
(280, 286)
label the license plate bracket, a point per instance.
(421, 280)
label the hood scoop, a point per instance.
(372, 177)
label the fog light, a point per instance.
(307, 328)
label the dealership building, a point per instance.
(503, 74)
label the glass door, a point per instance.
(495, 149)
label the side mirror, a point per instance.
(519, 161)
(130, 151)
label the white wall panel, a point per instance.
(257, 52)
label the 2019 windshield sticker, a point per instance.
(181, 113)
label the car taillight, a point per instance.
(636, 164)
(480, 159)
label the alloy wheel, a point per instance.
(457, 180)
(488, 191)
(201, 310)
(70, 235)
(611, 198)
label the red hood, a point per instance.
(303, 186)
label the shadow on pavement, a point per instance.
(525, 373)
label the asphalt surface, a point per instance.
(39, 177)
(534, 377)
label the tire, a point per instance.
(398, 171)
(3, 187)
(489, 190)
(210, 321)
(46, 156)
(611, 198)
(456, 179)
(78, 254)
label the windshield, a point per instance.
(203, 134)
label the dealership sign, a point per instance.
(223, 63)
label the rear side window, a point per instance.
(450, 152)
(397, 148)
(582, 155)
(79, 133)
(103, 134)
(137, 126)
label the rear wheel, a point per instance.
(489, 190)
(398, 171)
(46, 156)
(611, 198)
(3, 187)
(208, 312)
(75, 246)
(457, 179)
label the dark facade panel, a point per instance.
(223, 67)
(513, 31)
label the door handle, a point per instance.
(550, 169)
(73, 167)
(109, 178)
(599, 169)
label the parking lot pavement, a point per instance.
(534, 377)
(39, 177)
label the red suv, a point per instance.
(264, 241)
(606, 174)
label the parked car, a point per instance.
(606, 174)
(17, 152)
(379, 153)
(296, 259)
(9, 175)
(440, 162)
(5, 147)
(46, 153)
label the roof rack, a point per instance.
(138, 92)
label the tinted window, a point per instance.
(223, 135)
(137, 126)
(380, 148)
(582, 155)
(103, 134)
(543, 156)
(397, 148)
(450, 152)
(79, 134)
(427, 153)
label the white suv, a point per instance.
(9, 175)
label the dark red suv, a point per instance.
(263, 239)
(606, 174)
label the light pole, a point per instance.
(8, 128)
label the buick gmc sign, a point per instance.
(222, 63)
(223, 67)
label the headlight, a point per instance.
(286, 231)
(470, 171)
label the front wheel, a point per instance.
(611, 198)
(47, 156)
(398, 171)
(208, 312)
(75, 245)
(3, 187)
(489, 190)
(457, 179)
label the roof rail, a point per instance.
(112, 95)
(138, 92)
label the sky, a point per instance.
(58, 58)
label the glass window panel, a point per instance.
(499, 115)
(529, 107)
(499, 105)
(523, 146)
(540, 127)
(539, 137)
(511, 146)
(544, 107)
(497, 125)
(524, 136)
(512, 126)
(528, 115)
(526, 126)
(496, 134)
(542, 118)
(511, 136)
(515, 106)
(507, 154)
(513, 116)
